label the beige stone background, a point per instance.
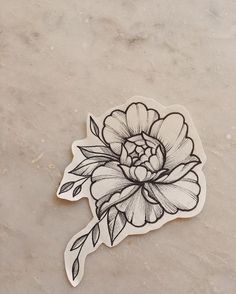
(60, 60)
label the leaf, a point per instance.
(75, 268)
(66, 187)
(77, 190)
(95, 234)
(78, 242)
(87, 166)
(96, 151)
(94, 127)
(116, 222)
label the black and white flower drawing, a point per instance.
(140, 166)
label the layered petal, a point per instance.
(180, 171)
(138, 210)
(107, 180)
(181, 195)
(116, 130)
(168, 130)
(140, 118)
(172, 133)
(121, 125)
(157, 160)
(153, 174)
(180, 153)
(116, 198)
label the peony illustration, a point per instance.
(140, 168)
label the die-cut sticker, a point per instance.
(140, 166)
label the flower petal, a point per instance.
(116, 148)
(172, 132)
(180, 195)
(140, 173)
(130, 146)
(150, 141)
(168, 131)
(140, 118)
(115, 127)
(124, 157)
(121, 125)
(180, 171)
(180, 153)
(139, 211)
(108, 179)
(157, 160)
(118, 197)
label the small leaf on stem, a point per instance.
(77, 190)
(95, 234)
(116, 223)
(75, 268)
(66, 187)
(94, 127)
(78, 242)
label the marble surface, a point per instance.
(60, 60)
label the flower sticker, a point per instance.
(140, 167)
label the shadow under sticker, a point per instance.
(140, 166)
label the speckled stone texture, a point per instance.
(60, 60)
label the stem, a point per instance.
(94, 226)
(81, 180)
(89, 234)
(75, 266)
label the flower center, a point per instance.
(142, 158)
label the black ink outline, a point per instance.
(94, 127)
(66, 187)
(146, 221)
(75, 268)
(197, 195)
(109, 157)
(99, 160)
(187, 131)
(77, 190)
(95, 234)
(80, 242)
(119, 214)
(198, 161)
(125, 112)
